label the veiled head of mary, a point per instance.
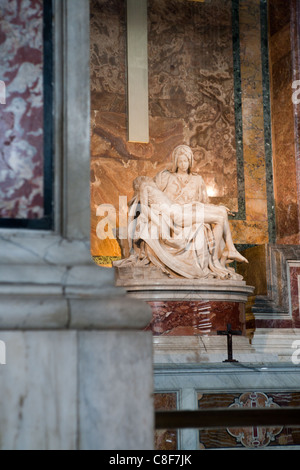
(181, 153)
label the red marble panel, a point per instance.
(284, 152)
(21, 125)
(190, 318)
(294, 321)
(273, 324)
(294, 292)
(282, 62)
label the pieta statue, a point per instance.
(173, 226)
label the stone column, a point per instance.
(78, 371)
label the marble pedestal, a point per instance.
(187, 307)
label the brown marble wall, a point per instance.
(165, 439)
(283, 123)
(191, 87)
(191, 100)
(254, 229)
(294, 275)
(295, 40)
(191, 84)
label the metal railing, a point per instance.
(224, 418)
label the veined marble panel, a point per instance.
(254, 230)
(21, 125)
(294, 292)
(165, 439)
(252, 437)
(283, 54)
(217, 385)
(189, 318)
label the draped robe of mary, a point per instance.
(185, 251)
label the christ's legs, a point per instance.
(218, 216)
(190, 214)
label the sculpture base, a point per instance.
(187, 307)
(189, 318)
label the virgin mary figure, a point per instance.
(173, 227)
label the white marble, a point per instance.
(53, 296)
(33, 311)
(115, 391)
(219, 377)
(86, 303)
(172, 225)
(76, 137)
(76, 390)
(188, 438)
(2, 353)
(184, 289)
(109, 313)
(267, 346)
(276, 341)
(38, 388)
(207, 350)
(31, 274)
(33, 248)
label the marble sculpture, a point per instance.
(173, 226)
